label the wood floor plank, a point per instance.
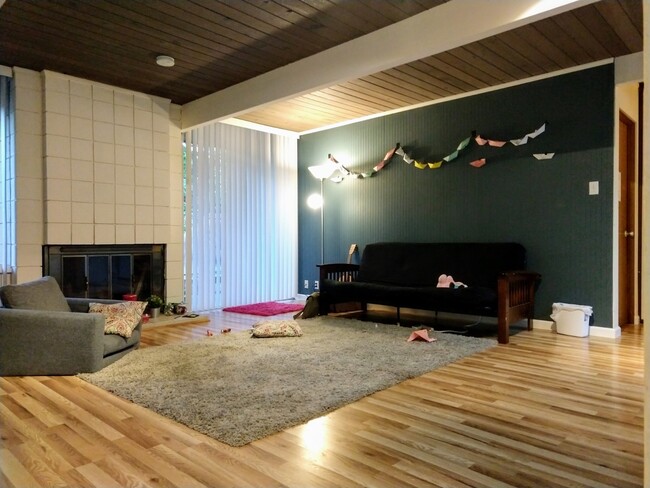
(15, 472)
(41, 465)
(314, 472)
(190, 464)
(545, 410)
(83, 450)
(96, 477)
(364, 455)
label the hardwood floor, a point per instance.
(544, 411)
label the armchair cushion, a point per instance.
(41, 294)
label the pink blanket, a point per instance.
(266, 309)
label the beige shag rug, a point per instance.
(237, 389)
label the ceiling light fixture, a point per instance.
(166, 61)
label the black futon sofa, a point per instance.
(406, 275)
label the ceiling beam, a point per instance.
(452, 24)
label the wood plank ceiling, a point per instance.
(219, 43)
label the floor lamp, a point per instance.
(315, 201)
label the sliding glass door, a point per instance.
(241, 217)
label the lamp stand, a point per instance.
(322, 225)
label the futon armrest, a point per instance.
(516, 299)
(338, 272)
(35, 342)
(523, 275)
(517, 287)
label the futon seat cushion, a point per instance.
(421, 264)
(474, 300)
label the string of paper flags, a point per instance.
(478, 139)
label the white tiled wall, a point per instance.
(29, 174)
(109, 172)
(172, 221)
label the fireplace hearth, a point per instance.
(107, 271)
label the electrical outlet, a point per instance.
(316, 285)
(306, 285)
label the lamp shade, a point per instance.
(323, 171)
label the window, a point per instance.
(241, 216)
(7, 185)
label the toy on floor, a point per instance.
(420, 335)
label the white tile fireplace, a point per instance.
(95, 165)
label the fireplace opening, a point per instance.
(107, 271)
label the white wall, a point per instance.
(95, 164)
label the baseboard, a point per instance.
(300, 297)
(543, 324)
(594, 331)
(608, 332)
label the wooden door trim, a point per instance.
(639, 195)
(628, 183)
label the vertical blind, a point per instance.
(7, 185)
(241, 240)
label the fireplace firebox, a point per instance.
(107, 271)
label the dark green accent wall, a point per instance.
(544, 205)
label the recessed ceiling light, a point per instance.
(166, 61)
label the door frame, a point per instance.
(639, 192)
(627, 212)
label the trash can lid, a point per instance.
(586, 309)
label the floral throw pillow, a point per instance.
(277, 328)
(121, 318)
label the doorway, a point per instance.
(627, 223)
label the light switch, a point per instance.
(593, 188)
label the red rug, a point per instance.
(266, 309)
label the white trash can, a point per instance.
(572, 319)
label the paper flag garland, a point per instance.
(482, 142)
(378, 167)
(530, 135)
(478, 163)
(540, 156)
(437, 164)
(463, 144)
(389, 155)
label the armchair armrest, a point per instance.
(338, 272)
(35, 342)
(83, 304)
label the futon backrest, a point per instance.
(420, 264)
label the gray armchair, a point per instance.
(57, 342)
